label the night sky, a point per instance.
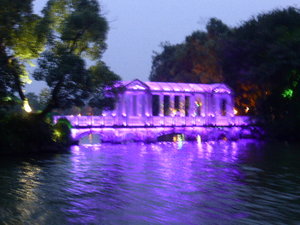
(137, 27)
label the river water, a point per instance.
(223, 182)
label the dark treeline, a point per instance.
(259, 59)
(60, 40)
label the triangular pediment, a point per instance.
(221, 88)
(137, 85)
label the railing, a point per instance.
(108, 121)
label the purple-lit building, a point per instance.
(168, 104)
(147, 110)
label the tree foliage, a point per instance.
(38, 101)
(264, 53)
(103, 87)
(76, 30)
(20, 42)
(67, 33)
(34, 101)
(66, 77)
(195, 60)
(77, 26)
(260, 60)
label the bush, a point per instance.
(62, 131)
(22, 134)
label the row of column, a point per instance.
(134, 104)
(182, 102)
(140, 104)
(211, 104)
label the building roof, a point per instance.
(176, 87)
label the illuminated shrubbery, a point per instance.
(22, 134)
(62, 132)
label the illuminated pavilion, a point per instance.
(169, 104)
(147, 110)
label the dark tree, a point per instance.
(76, 30)
(261, 61)
(196, 60)
(20, 42)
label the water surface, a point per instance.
(224, 182)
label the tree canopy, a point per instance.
(76, 30)
(68, 33)
(259, 59)
(195, 60)
(20, 42)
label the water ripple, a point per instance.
(211, 183)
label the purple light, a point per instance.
(108, 121)
(150, 134)
(133, 114)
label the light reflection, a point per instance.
(200, 150)
(209, 149)
(226, 156)
(179, 139)
(29, 181)
(138, 183)
(75, 148)
(199, 139)
(25, 192)
(234, 147)
(180, 144)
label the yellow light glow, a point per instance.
(199, 140)
(247, 109)
(26, 106)
(57, 133)
(235, 111)
(174, 138)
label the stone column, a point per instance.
(172, 104)
(118, 108)
(161, 105)
(182, 105)
(230, 105)
(140, 108)
(123, 105)
(192, 106)
(149, 104)
(148, 108)
(144, 104)
(127, 100)
(192, 112)
(217, 105)
(206, 104)
(212, 105)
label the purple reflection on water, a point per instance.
(213, 182)
(156, 183)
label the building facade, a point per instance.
(147, 110)
(172, 104)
